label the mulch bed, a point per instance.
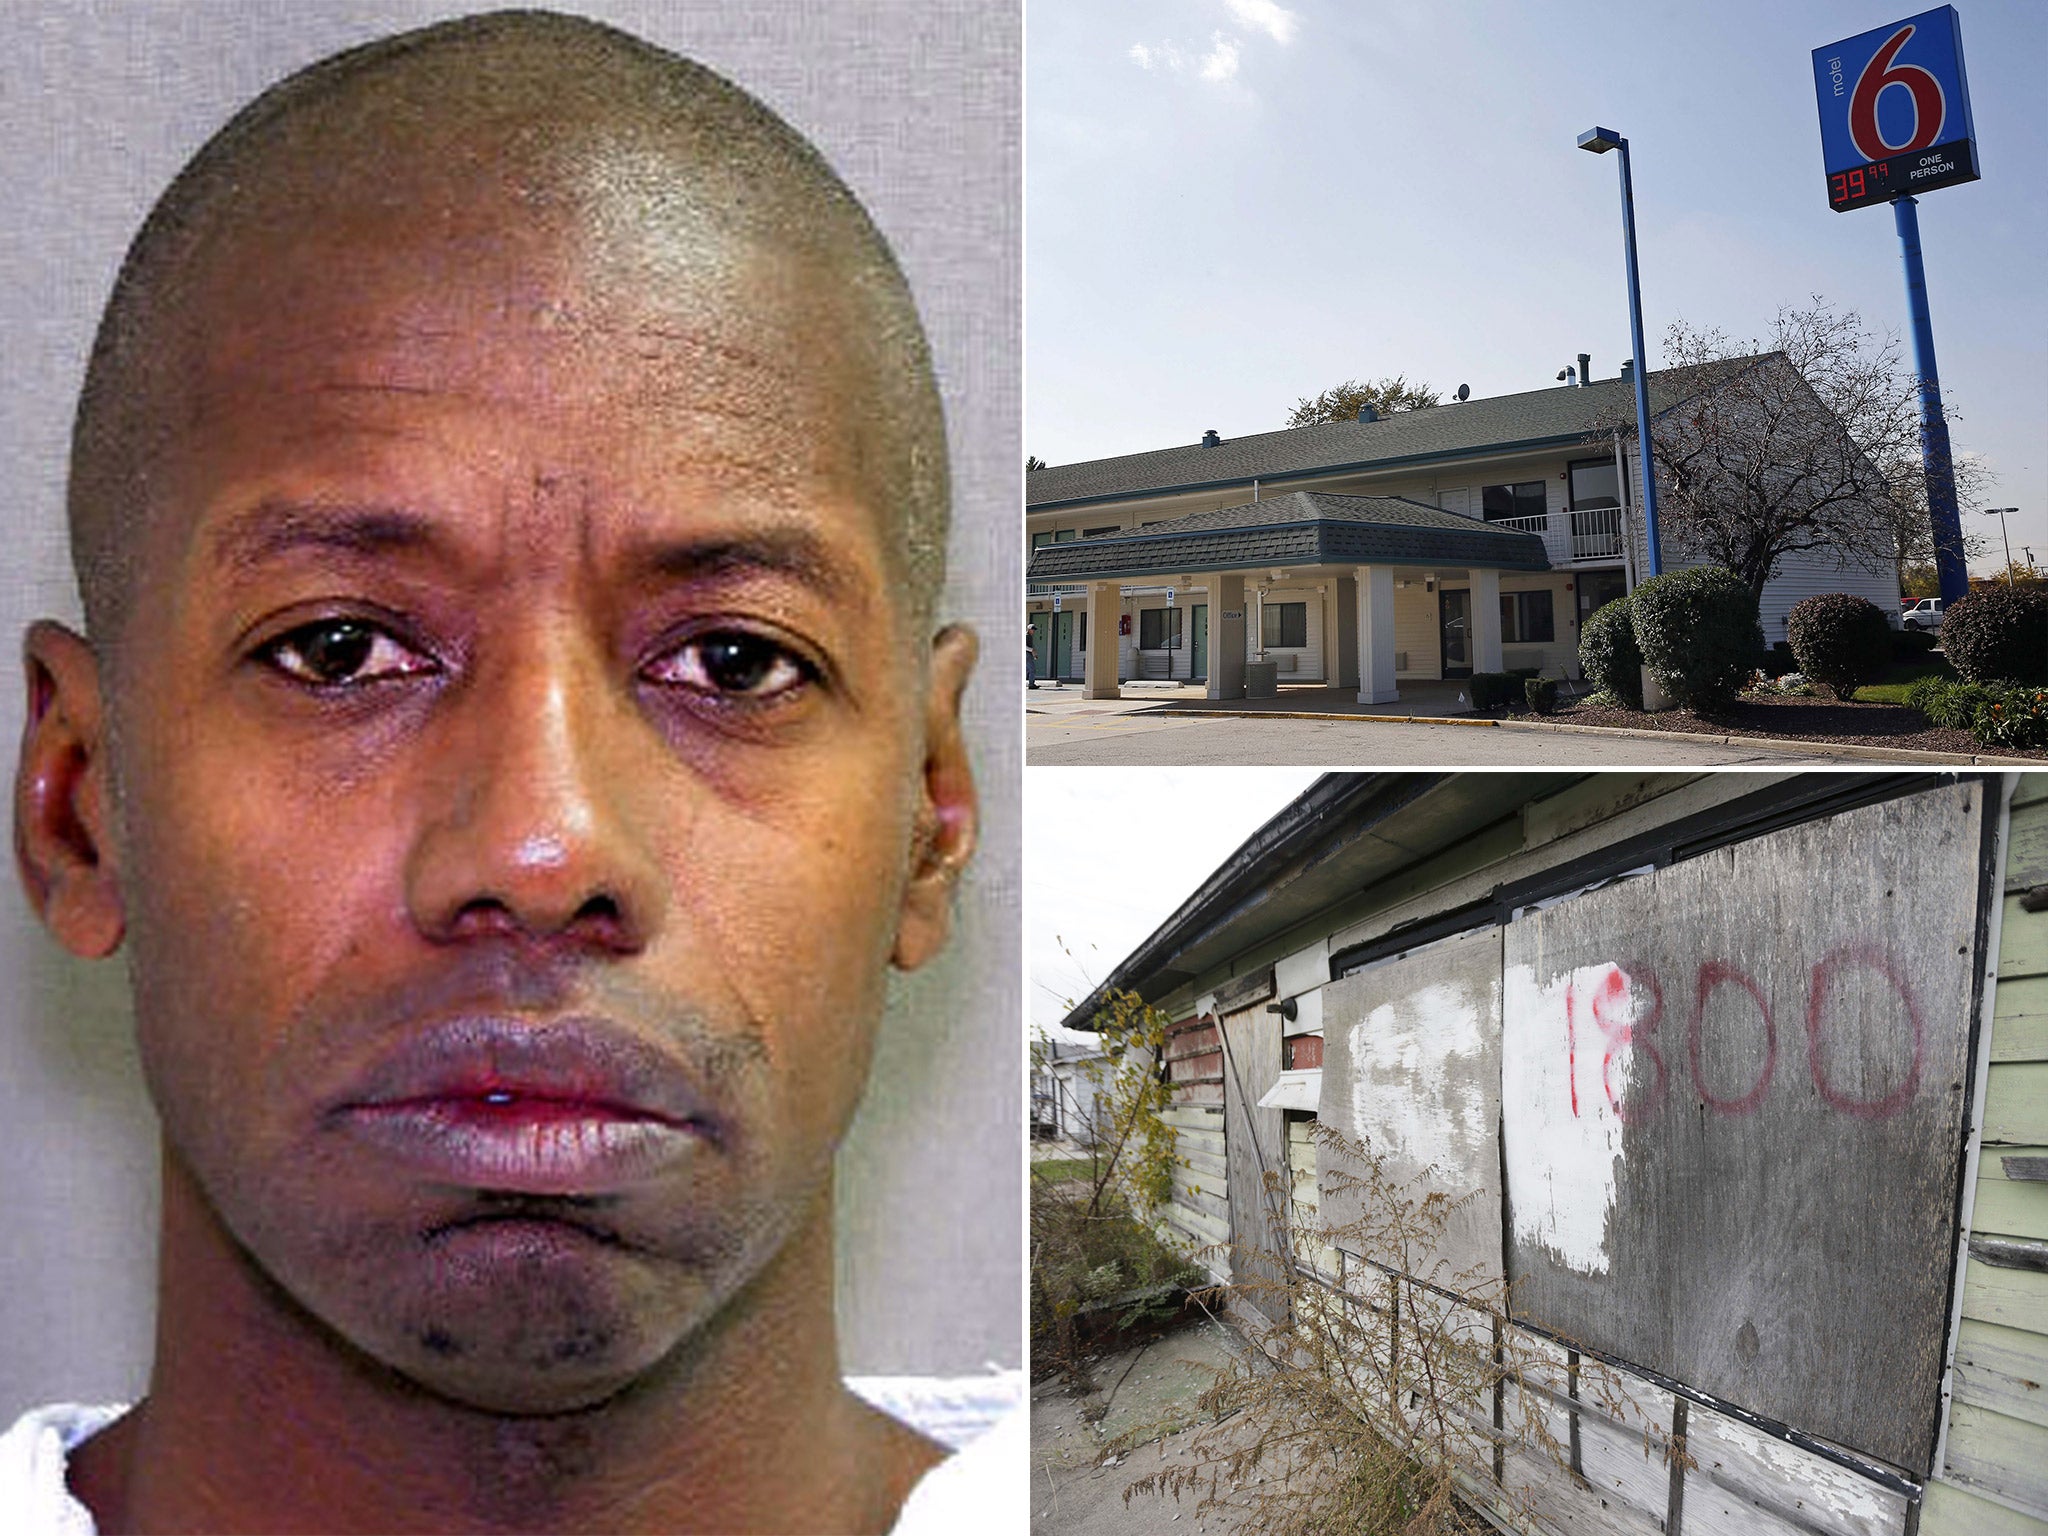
(1794, 720)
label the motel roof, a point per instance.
(1296, 528)
(1539, 418)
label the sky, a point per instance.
(1114, 851)
(1231, 204)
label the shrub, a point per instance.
(1946, 703)
(1608, 654)
(1698, 633)
(1491, 690)
(1541, 694)
(1779, 660)
(1999, 633)
(1912, 644)
(1842, 641)
(2012, 717)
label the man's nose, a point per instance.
(528, 828)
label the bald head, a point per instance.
(594, 185)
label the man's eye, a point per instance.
(732, 663)
(334, 653)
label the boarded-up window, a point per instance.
(1411, 1068)
(1733, 1107)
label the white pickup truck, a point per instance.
(1925, 614)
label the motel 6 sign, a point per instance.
(1895, 111)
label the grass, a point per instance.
(1060, 1170)
(1901, 675)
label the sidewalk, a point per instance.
(1148, 1392)
(1440, 704)
(1418, 701)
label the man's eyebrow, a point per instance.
(793, 552)
(272, 528)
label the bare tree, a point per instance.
(1385, 396)
(1808, 440)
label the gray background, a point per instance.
(918, 108)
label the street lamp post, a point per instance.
(1598, 141)
(1999, 513)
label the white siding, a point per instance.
(1804, 575)
(1415, 629)
(1308, 658)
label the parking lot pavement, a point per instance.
(1124, 735)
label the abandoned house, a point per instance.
(1742, 1080)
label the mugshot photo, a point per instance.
(510, 1014)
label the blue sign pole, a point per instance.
(1949, 565)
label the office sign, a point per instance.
(1895, 111)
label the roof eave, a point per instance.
(1399, 461)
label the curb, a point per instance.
(1766, 743)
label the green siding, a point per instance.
(1997, 1457)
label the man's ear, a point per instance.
(61, 842)
(943, 838)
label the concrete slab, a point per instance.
(1143, 1413)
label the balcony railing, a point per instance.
(1596, 533)
(1540, 523)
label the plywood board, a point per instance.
(1255, 1144)
(1733, 1112)
(1411, 1070)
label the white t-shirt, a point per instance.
(984, 1486)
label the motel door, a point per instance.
(1198, 654)
(1063, 644)
(1454, 618)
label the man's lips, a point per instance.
(559, 1107)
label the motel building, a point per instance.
(1473, 536)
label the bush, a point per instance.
(1912, 644)
(1698, 633)
(1779, 660)
(1491, 690)
(2012, 717)
(1608, 654)
(1999, 634)
(1541, 694)
(1842, 641)
(1948, 704)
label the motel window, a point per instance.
(1594, 484)
(1524, 499)
(1096, 533)
(1286, 624)
(1159, 629)
(1525, 617)
(1064, 536)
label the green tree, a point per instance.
(1032, 461)
(1386, 396)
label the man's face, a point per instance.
(518, 741)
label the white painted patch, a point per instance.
(1406, 1096)
(1558, 1107)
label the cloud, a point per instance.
(1152, 58)
(1220, 62)
(1267, 16)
